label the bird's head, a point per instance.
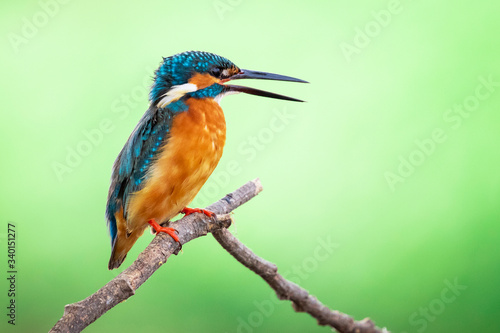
(203, 75)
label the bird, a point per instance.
(175, 147)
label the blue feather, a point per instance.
(132, 164)
(210, 91)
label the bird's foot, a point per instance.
(189, 211)
(170, 231)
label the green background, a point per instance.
(384, 77)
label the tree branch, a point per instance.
(79, 315)
(301, 300)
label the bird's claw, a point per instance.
(170, 231)
(188, 211)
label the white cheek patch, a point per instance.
(219, 96)
(175, 93)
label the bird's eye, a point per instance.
(215, 71)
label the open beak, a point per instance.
(248, 74)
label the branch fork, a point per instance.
(79, 315)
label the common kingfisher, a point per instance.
(175, 146)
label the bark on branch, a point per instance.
(79, 315)
(301, 300)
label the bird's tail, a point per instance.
(121, 247)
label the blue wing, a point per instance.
(131, 165)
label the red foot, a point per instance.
(169, 231)
(189, 211)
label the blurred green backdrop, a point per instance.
(381, 193)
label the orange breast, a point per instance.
(184, 164)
